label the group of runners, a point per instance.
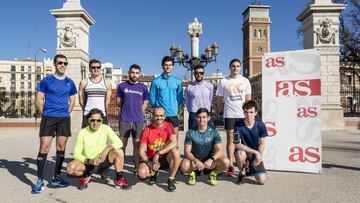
(155, 146)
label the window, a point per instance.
(29, 69)
(22, 68)
(38, 77)
(29, 111)
(349, 79)
(260, 33)
(13, 86)
(29, 103)
(13, 95)
(13, 68)
(29, 85)
(22, 103)
(264, 34)
(29, 94)
(22, 76)
(255, 33)
(22, 94)
(13, 104)
(13, 76)
(29, 76)
(38, 69)
(22, 85)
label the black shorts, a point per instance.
(85, 122)
(132, 129)
(54, 126)
(174, 120)
(254, 170)
(205, 170)
(164, 164)
(99, 169)
(230, 123)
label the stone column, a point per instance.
(321, 31)
(73, 24)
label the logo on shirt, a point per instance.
(158, 145)
(235, 91)
(127, 91)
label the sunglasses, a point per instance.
(199, 73)
(61, 63)
(97, 120)
(95, 67)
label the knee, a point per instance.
(45, 148)
(185, 166)
(261, 180)
(225, 161)
(175, 153)
(142, 172)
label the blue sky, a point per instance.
(141, 31)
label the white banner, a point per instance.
(291, 105)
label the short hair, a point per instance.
(159, 107)
(203, 110)
(59, 56)
(234, 60)
(199, 66)
(94, 111)
(167, 58)
(250, 104)
(94, 61)
(135, 66)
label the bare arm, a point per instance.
(188, 154)
(219, 104)
(82, 86)
(219, 151)
(144, 105)
(261, 146)
(119, 103)
(72, 103)
(40, 102)
(142, 152)
(108, 94)
(172, 143)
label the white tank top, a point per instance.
(95, 96)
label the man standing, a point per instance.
(55, 100)
(198, 94)
(235, 90)
(94, 92)
(93, 154)
(249, 139)
(166, 91)
(203, 150)
(158, 150)
(132, 98)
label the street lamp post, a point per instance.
(194, 31)
(37, 51)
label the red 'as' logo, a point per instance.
(275, 62)
(310, 154)
(304, 112)
(298, 88)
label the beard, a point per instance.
(134, 79)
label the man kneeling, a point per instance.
(158, 150)
(203, 150)
(249, 140)
(92, 154)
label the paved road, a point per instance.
(339, 181)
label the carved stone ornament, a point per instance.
(325, 33)
(68, 37)
(195, 28)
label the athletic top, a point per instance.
(156, 138)
(166, 91)
(90, 144)
(202, 144)
(250, 137)
(198, 95)
(95, 96)
(233, 90)
(56, 93)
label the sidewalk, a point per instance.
(339, 181)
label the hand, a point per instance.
(199, 165)
(208, 163)
(94, 162)
(156, 158)
(103, 155)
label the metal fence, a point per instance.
(350, 97)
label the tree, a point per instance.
(3, 99)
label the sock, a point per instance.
(171, 178)
(59, 162)
(119, 175)
(41, 165)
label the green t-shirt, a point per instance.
(202, 143)
(89, 144)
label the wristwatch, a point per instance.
(158, 153)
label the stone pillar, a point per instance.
(73, 24)
(321, 31)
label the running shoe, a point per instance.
(241, 179)
(171, 185)
(59, 181)
(121, 183)
(230, 172)
(212, 178)
(39, 187)
(84, 182)
(192, 178)
(153, 178)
